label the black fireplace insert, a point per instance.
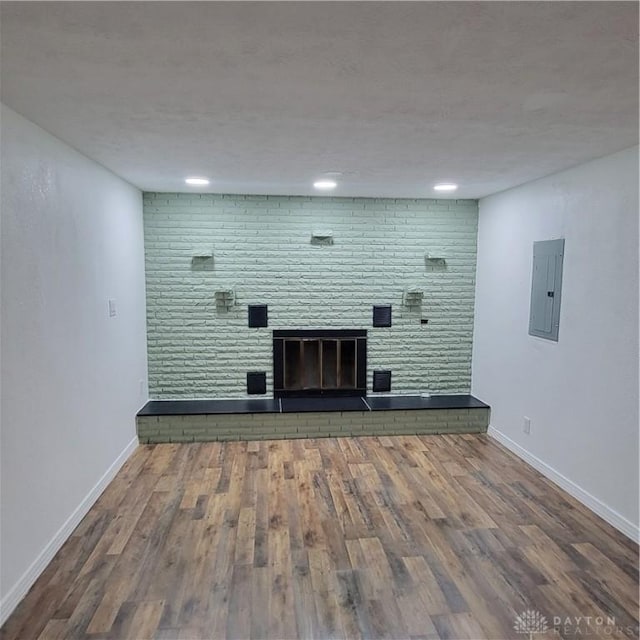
(320, 362)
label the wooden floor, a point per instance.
(403, 537)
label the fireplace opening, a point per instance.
(327, 362)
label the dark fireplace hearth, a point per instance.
(327, 362)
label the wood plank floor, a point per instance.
(391, 537)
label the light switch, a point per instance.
(112, 308)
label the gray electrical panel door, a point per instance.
(546, 287)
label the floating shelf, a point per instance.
(433, 259)
(202, 262)
(322, 237)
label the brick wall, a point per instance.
(262, 249)
(271, 426)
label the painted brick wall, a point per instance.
(262, 249)
(271, 426)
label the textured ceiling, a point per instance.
(266, 97)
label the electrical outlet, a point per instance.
(526, 425)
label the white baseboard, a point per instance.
(597, 506)
(22, 586)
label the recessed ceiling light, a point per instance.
(197, 182)
(325, 185)
(445, 186)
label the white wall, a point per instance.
(581, 393)
(71, 238)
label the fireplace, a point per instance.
(328, 362)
